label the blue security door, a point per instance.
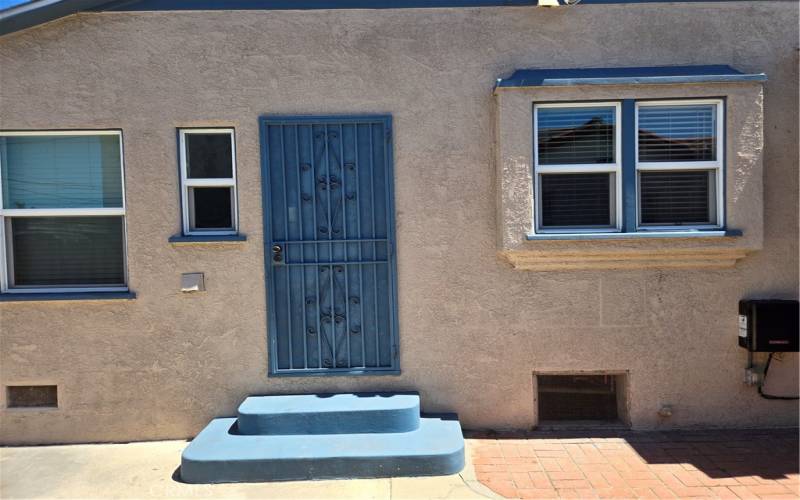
(329, 245)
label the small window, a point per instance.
(208, 178)
(679, 164)
(32, 396)
(577, 167)
(62, 212)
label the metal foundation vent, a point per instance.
(32, 396)
(577, 397)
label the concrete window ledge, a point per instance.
(46, 297)
(673, 249)
(179, 239)
(570, 255)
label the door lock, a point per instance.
(277, 253)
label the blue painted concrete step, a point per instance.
(220, 454)
(329, 414)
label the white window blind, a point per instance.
(577, 166)
(569, 136)
(677, 133)
(679, 163)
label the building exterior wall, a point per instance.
(473, 330)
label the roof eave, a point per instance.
(31, 14)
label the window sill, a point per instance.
(635, 236)
(46, 297)
(643, 250)
(30, 409)
(179, 239)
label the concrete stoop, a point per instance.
(337, 436)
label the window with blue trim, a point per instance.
(578, 168)
(208, 182)
(589, 158)
(679, 164)
(62, 212)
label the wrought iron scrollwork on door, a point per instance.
(331, 297)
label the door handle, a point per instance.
(277, 253)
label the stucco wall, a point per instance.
(472, 329)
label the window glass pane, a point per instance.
(67, 251)
(677, 133)
(569, 136)
(576, 200)
(63, 171)
(209, 156)
(211, 208)
(678, 197)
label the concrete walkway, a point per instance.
(149, 470)
(621, 464)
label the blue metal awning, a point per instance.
(522, 78)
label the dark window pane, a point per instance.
(67, 251)
(61, 171)
(677, 197)
(211, 208)
(209, 156)
(677, 133)
(580, 200)
(569, 136)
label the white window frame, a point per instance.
(6, 252)
(716, 165)
(187, 183)
(592, 168)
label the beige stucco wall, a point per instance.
(472, 328)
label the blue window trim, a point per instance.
(337, 372)
(628, 165)
(211, 238)
(629, 185)
(46, 297)
(692, 233)
(184, 236)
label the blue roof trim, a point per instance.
(133, 5)
(37, 12)
(626, 76)
(138, 5)
(34, 13)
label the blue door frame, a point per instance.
(329, 245)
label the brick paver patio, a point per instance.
(707, 464)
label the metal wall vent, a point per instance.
(32, 396)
